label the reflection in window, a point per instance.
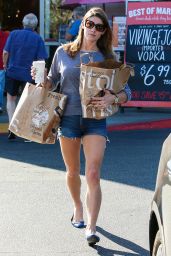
(56, 20)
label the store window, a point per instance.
(55, 21)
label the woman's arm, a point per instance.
(48, 83)
(123, 96)
(110, 98)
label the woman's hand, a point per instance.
(109, 99)
(33, 72)
(46, 83)
(103, 102)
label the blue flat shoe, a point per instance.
(77, 224)
(92, 238)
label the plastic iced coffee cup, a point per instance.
(40, 69)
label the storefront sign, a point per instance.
(119, 33)
(148, 47)
(68, 2)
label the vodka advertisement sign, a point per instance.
(148, 46)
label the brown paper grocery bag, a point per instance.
(97, 76)
(38, 114)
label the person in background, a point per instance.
(21, 49)
(3, 39)
(95, 40)
(74, 24)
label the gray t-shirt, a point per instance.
(67, 69)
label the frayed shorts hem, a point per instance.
(74, 127)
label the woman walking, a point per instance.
(94, 40)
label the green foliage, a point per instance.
(58, 16)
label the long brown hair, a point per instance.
(104, 43)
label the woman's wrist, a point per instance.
(119, 98)
(123, 98)
(47, 83)
(116, 99)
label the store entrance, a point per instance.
(13, 11)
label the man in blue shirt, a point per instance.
(75, 23)
(3, 39)
(22, 48)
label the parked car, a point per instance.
(160, 216)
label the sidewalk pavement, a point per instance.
(127, 118)
(35, 204)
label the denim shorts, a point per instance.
(77, 127)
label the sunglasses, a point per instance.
(90, 24)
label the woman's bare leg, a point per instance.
(94, 147)
(70, 149)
